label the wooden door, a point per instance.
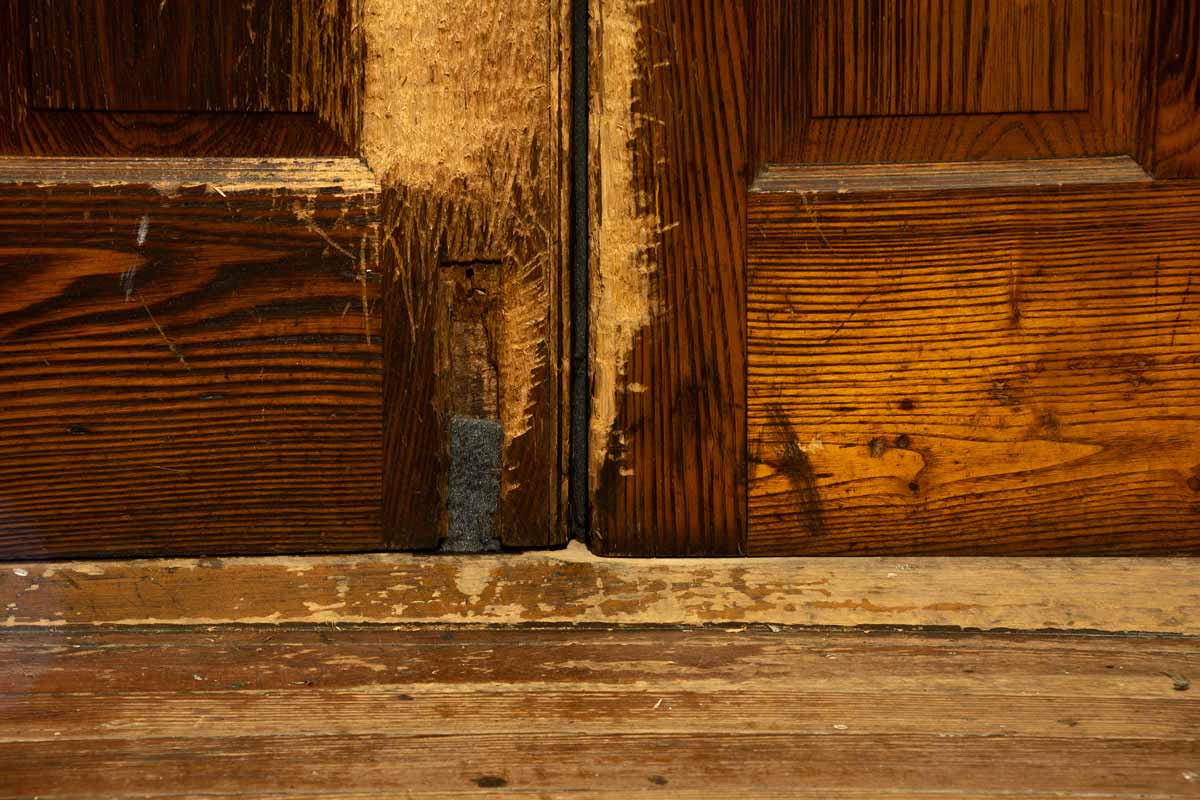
(246, 303)
(896, 276)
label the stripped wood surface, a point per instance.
(572, 586)
(374, 711)
(668, 154)
(472, 170)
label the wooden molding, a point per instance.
(1149, 595)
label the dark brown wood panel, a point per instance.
(790, 65)
(668, 379)
(147, 55)
(189, 357)
(101, 78)
(1176, 134)
(975, 371)
(297, 711)
(902, 57)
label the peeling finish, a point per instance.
(1107, 594)
(626, 230)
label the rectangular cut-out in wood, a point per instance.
(147, 55)
(902, 57)
(189, 357)
(1011, 369)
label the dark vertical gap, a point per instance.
(577, 480)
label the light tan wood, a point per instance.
(697, 713)
(571, 586)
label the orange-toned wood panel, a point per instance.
(975, 371)
(898, 57)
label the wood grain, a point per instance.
(669, 171)
(188, 369)
(891, 58)
(293, 711)
(1176, 134)
(216, 61)
(472, 171)
(216, 55)
(1001, 371)
(1115, 50)
(574, 587)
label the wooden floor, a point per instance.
(112, 686)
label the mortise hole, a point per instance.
(470, 272)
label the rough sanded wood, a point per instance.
(464, 125)
(668, 169)
(571, 586)
(189, 357)
(294, 711)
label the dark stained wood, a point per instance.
(188, 368)
(788, 74)
(892, 58)
(695, 713)
(668, 423)
(99, 78)
(1009, 370)
(146, 55)
(1176, 133)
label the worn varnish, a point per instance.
(669, 156)
(472, 171)
(292, 711)
(214, 78)
(972, 372)
(189, 357)
(1112, 594)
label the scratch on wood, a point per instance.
(162, 333)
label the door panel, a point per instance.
(188, 370)
(262, 263)
(974, 370)
(876, 81)
(213, 78)
(968, 287)
(886, 59)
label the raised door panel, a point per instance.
(967, 283)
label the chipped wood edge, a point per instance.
(571, 586)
